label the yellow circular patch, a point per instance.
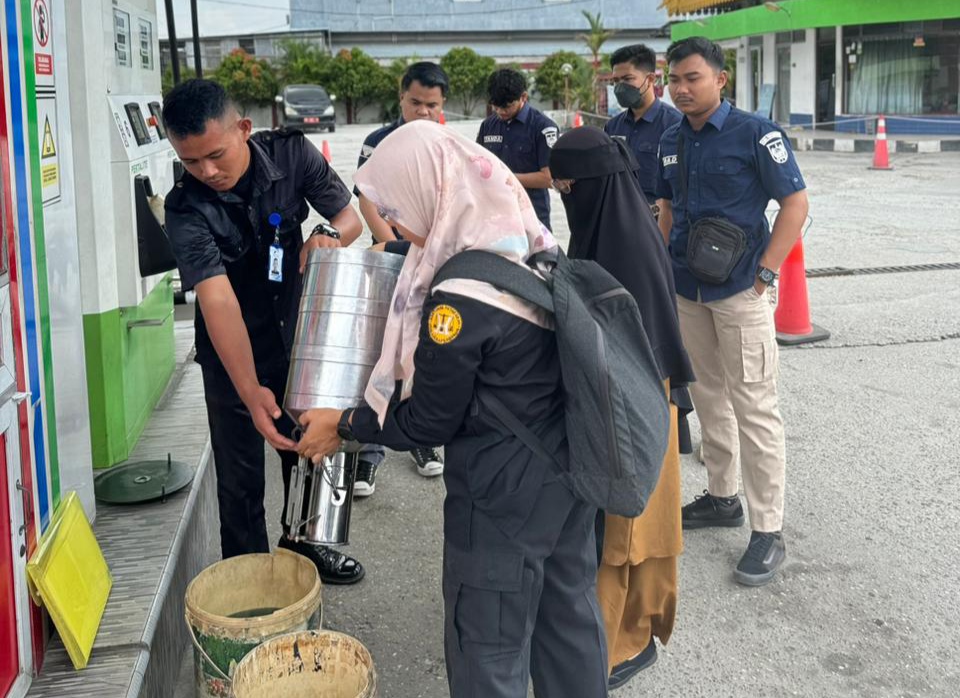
(445, 324)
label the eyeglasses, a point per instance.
(564, 186)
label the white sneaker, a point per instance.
(429, 462)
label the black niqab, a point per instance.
(611, 223)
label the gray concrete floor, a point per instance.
(867, 604)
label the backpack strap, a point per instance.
(513, 423)
(499, 271)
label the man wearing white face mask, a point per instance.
(645, 117)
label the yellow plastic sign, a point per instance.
(69, 576)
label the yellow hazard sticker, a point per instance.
(445, 324)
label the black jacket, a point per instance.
(219, 233)
(485, 463)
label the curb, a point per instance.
(865, 145)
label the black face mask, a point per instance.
(628, 96)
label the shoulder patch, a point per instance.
(775, 146)
(366, 151)
(551, 134)
(445, 324)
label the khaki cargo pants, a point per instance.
(732, 344)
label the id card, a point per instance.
(275, 270)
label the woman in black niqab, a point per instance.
(611, 223)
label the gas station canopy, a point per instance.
(679, 7)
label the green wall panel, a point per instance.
(806, 14)
(128, 367)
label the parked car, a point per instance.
(307, 107)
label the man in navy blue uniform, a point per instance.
(720, 162)
(521, 136)
(423, 90)
(645, 117)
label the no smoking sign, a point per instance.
(41, 23)
(42, 29)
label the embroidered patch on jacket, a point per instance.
(774, 143)
(445, 324)
(551, 134)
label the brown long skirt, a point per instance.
(637, 579)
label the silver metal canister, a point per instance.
(343, 314)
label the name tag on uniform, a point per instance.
(493, 139)
(275, 265)
(669, 160)
(275, 271)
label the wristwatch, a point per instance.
(344, 430)
(326, 229)
(767, 276)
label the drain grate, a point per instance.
(865, 271)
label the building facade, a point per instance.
(838, 64)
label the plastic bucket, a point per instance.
(234, 605)
(307, 665)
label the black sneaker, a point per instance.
(429, 463)
(624, 671)
(707, 510)
(334, 567)
(763, 558)
(366, 479)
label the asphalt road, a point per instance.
(868, 601)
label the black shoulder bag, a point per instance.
(714, 245)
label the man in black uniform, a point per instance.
(233, 220)
(521, 136)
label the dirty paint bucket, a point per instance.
(234, 605)
(307, 665)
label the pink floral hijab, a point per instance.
(458, 196)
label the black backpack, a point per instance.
(616, 412)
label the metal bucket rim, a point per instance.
(371, 674)
(283, 615)
(352, 255)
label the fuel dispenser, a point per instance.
(125, 259)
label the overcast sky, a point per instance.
(219, 17)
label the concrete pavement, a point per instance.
(868, 601)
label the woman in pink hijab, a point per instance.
(520, 567)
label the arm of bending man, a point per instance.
(221, 313)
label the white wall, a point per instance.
(803, 75)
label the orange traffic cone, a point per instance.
(881, 156)
(326, 151)
(577, 120)
(792, 317)
(443, 119)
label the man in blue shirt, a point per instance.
(720, 162)
(521, 136)
(645, 117)
(423, 90)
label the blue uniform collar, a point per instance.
(523, 115)
(717, 119)
(650, 114)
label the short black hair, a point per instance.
(505, 86)
(696, 46)
(639, 55)
(427, 74)
(190, 105)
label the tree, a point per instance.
(395, 71)
(595, 39)
(166, 80)
(248, 81)
(302, 63)
(551, 83)
(358, 79)
(468, 72)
